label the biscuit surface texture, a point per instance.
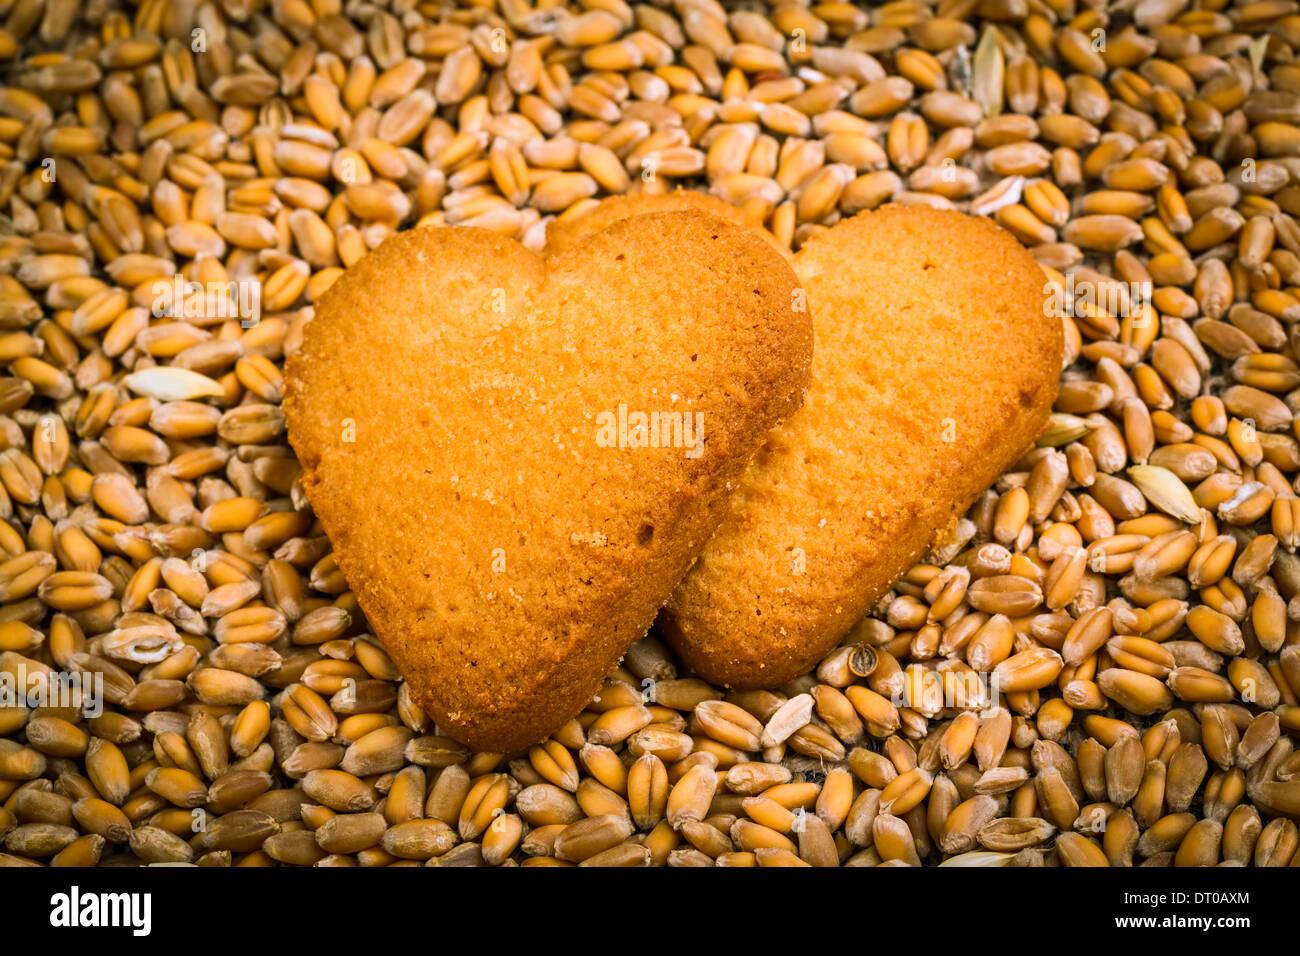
(504, 555)
(561, 234)
(935, 368)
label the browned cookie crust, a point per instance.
(936, 367)
(563, 233)
(504, 557)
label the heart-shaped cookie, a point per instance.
(936, 366)
(518, 458)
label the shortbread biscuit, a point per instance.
(935, 368)
(465, 412)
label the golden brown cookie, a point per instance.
(466, 415)
(935, 368)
